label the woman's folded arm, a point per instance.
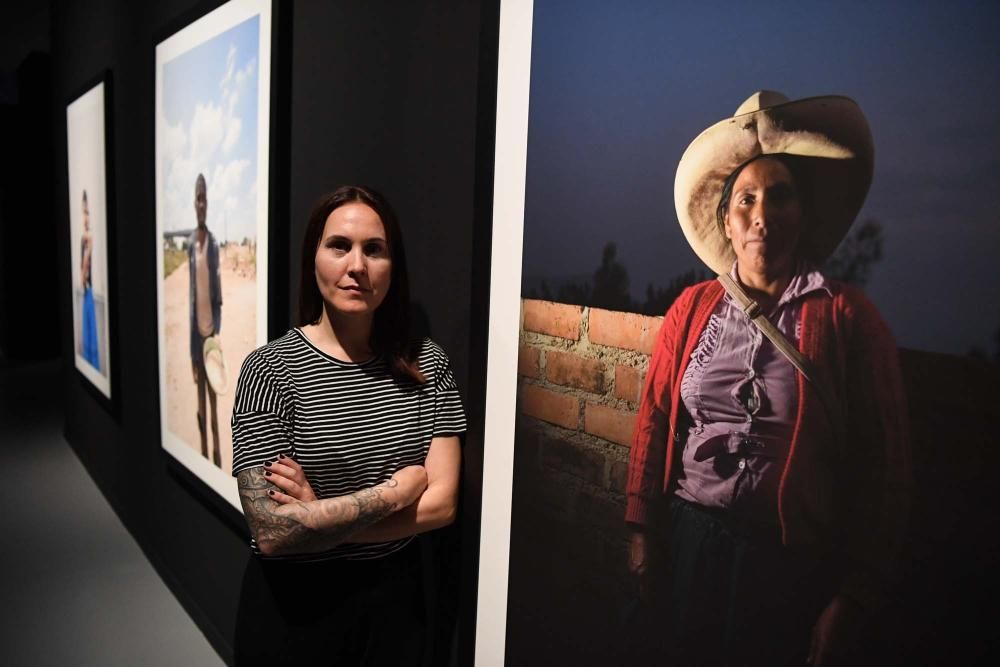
(320, 525)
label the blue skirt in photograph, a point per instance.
(89, 330)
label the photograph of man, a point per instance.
(88, 330)
(212, 86)
(205, 313)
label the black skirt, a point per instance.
(727, 593)
(339, 612)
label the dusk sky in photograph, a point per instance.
(618, 91)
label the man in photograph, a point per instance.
(205, 312)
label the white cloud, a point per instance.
(227, 177)
(230, 65)
(233, 89)
(178, 208)
(232, 195)
(233, 127)
(206, 131)
(243, 76)
(175, 139)
(206, 146)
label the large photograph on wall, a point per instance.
(89, 238)
(212, 123)
(596, 105)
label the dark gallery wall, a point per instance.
(27, 228)
(397, 95)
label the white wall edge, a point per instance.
(513, 85)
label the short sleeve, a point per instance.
(449, 417)
(261, 418)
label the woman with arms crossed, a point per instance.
(786, 496)
(345, 437)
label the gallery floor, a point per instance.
(76, 588)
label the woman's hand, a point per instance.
(288, 476)
(834, 633)
(638, 561)
(294, 487)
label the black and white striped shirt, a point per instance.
(350, 425)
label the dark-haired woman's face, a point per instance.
(353, 266)
(764, 218)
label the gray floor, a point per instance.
(76, 588)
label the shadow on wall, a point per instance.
(580, 373)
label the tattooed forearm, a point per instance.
(372, 505)
(313, 526)
(271, 528)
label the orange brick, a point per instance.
(560, 409)
(629, 331)
(572, 370)
(554, 319)
(628, 383)
(527, 361)
(610, 424)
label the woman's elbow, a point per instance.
(272, 542)
(448, 515)
(445, 512)
(270, 545)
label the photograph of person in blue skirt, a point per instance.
(88, 330)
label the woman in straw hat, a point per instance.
(769, 471)
(345, 438)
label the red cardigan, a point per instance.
(846, 482)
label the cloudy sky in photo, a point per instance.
(210, 109)
(618, 91)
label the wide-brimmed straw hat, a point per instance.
(215, 365)
(834, 146)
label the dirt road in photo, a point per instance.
(238, 336)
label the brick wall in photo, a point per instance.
(580, 371)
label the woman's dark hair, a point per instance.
(391, 326)
(795, 168)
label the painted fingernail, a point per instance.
(267, 473)
(267, 465)
(271, 492)
(281, 456)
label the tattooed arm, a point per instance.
(436, 506)
(310, 527)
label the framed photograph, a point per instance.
(212, 163)
(91, 213)
(596, 103)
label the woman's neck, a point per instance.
(343, 336)
(763, 287)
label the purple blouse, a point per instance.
(741, 394)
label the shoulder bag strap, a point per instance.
(804, 366)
